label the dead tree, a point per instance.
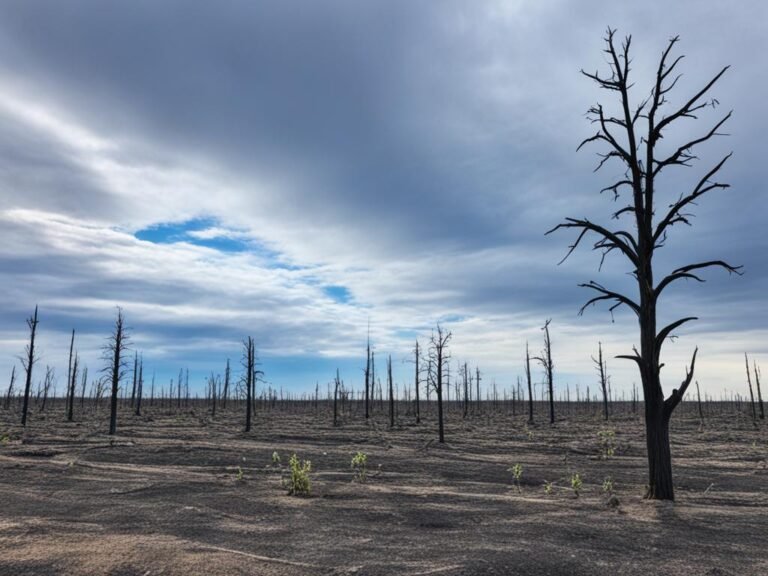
(439, 358)
(698, 396)
(114, 354)
(83, 384)
(367, 376)
(225, 393)
(47, 383)
(546, 361)
(135, 377)
(71, 386)
(391, 393)
(249, 363)
(336, 385)
(759, 392)
(477, 384)
(466, 391)
(213, 385)
(28, 363)
(602, 370)
(417, 376)
(69, 373)
(631, 138)
(10, 388)
(140, 387)
(373, 379)
(530, 384)
(751, 394)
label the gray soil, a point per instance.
(163, 496)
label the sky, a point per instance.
(308, 173)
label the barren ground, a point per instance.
(162, 497)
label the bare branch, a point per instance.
(667, 330)
(682, 156)
(687, 272)
(687, 109)
(677, 394)
(606, 294)
(611, 238)
(674, 215)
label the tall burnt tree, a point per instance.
(439, 359)
(759, 392)
(602, 371)
(114, 354)
(28, 363)
(368, 376)
(10, 388)
(140, 387)
(391, 393)
(69, 373)
(631, 138)
(249, 363)
(71, 387)
(751, 393)
(336, 385)
(225, 393)
(530, 384)
(417, 377)
(546, 361)
(135, 377)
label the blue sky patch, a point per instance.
(338, 293)
(192, 232)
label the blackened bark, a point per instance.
(28, 365)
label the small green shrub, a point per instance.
(517, 474)
(608, 485)
(607, 442)
(275, 458)
(359, 465)
(5, 439)
(528, 432)
(548, 486)
(299, 483)
(576, 484)
(239, 476)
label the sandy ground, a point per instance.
(163, 496)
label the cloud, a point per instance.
(291, 170)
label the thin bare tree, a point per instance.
(28, 362)
(751, 393)
(140, 387)
(114, 355)
(759, 392)
(602, 370)
(631, 138)
(546, 361)
(417, 378)
(530, 384)
(225, 393)
(71, 388)
(439, 358)
(10, 388)
(391, 392)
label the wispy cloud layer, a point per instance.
(294, 172)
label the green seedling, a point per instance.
(576, 484)
(517, 474)
(299, 482)
(359, 465)
(608, 485)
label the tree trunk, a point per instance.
(530, 386)
(418, 414)
(660, 485)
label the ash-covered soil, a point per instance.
(164, 496)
